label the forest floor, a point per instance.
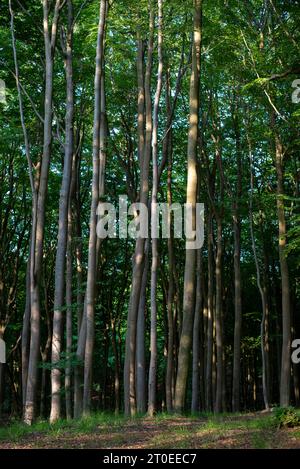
(251, 430)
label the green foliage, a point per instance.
(66, 360)
(287, 417)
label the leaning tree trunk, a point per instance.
(190, 259)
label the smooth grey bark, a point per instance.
(39, 225)
(154, 265)
(210, 317)
(138, 261)
(197, 336)
(285, 376)
(46, 351)
(68, 376)
(117, 366)
(260, 287)
(140, 337)
(30, 371)
(141, 96)
(92, 258)
(141, 403)
(79, 282)
(219, 328)
(190, 259)
(25, 338)
(167, 157)
(171, 289)
(60, 262)
(237, 279)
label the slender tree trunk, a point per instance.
(153, 326)
(62, 226)
(138, 262)
(190, 260)
(262, 294)
(69, 331)
(210, 317)
(79, 278)
(140, 338)
(25, 336)
(197, 334)
(117, 367)
(171, 292)
(39, 193)
(219, 329)
(285, 282)
(238, 315)
(141, 97)
(46, 352)
(237, 281)
(92, 261)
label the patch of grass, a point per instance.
(163, 431)
(261, 423)
(85, 425)
(259, 440)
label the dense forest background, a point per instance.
(166, 101)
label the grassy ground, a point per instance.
(252, 430)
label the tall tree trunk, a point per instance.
(69, 331)
(92, 261)
(262, 293)
(219, 328)
(154, 239)
(25, 335)
(210, 316)
(140, 338)
(117, 367)
(285, 376)
(238, 314)
(79, 277)
(60, 261)
(138, 261)
(190, 259)
(39, 193)
(197, 335)
(171, 289)
(237, 279)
